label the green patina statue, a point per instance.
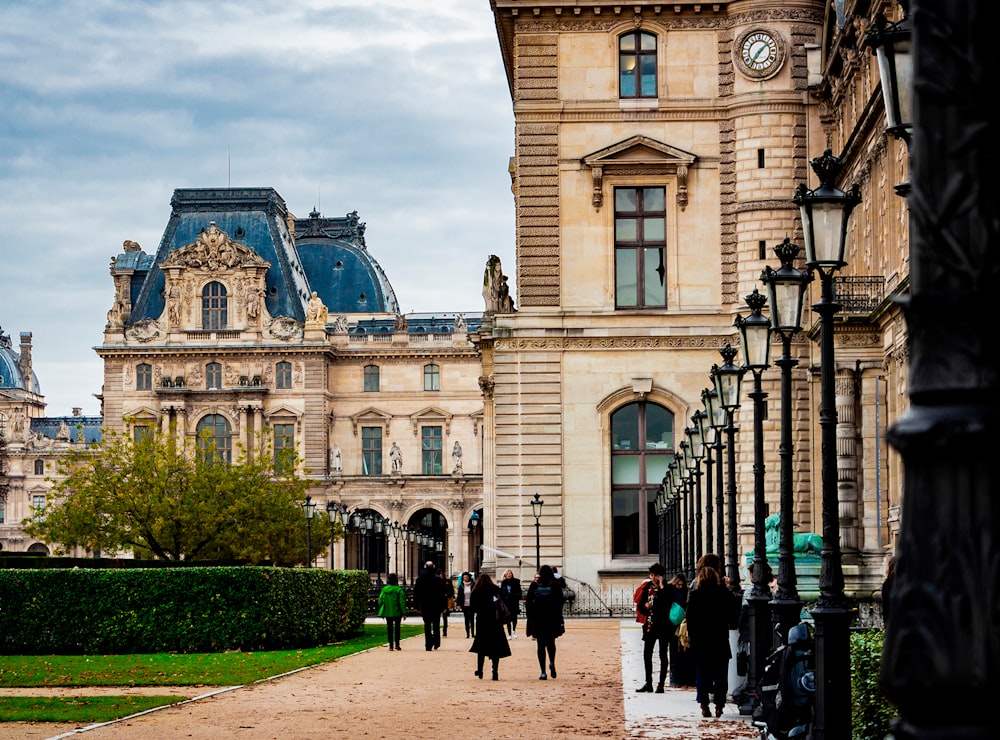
(802, 542)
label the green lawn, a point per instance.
(160, 669)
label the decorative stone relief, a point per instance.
(283, 328)
(146, 330)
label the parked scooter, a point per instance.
(787, 689)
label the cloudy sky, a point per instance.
(397, 109)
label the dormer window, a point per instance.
(637, 65)
(214, 307)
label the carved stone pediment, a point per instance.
(639, 155)
(213, 250)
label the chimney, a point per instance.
(24, 363)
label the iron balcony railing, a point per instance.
(859, 293)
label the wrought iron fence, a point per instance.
(859, 293)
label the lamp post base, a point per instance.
(833, 672)
(759, 622)
(786, 613)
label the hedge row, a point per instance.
(184, 610)
(871, 712)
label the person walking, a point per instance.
(711, 611)
(429, 599)
(490, 640)
(659, 596)
(510, 589)
(392, 606)
(449, 602)
(543, 606)
(463, 600)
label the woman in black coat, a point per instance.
(544, 605)
(490, 640)
(711, 610)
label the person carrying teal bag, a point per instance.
(392, 606)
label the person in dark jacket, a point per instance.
(712, 610)
(430, 601)
(490, 641)
(657, 598)
(463, 600)
(543, 606)
(449, 602)
(681, 663)
(510, 589)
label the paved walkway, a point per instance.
(383, 694)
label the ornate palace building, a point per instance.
(657, 147)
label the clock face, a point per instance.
(759, 52)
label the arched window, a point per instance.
(213, 376)
(215, 437)
(39, 467)
(642, 446)
(144, 377)
(637, 65)
(283, 375)
(214, 307)
(432, 377)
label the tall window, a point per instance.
(39, 467)
(371, 378)
(144, 377)
(641, 449)
(38, 507)
(637, 65)
(141, 432)
(430, 450)
(215, 437)
(3, 511)
(371, 450)
(283, 375)
(432, 377)
(640, 246)
(214, 307)
(213, 376)
(284, 447)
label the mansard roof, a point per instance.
(11, 376)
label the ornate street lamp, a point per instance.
(309, 508)
(474, 526)
(395, 529)
(451, 564)
(536, 511)
(717, 422)
(891, 45)
(332, 509)
(696, 438)
(755, 339)
(727, 384)
(786, 289)
(703, 422)
(825, 215)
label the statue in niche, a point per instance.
(336, 459)
(456, 457)
(316, 311)
(174, 305)
(254, 294)
(396, 456)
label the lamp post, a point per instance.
(474, 526)
(696, 438)
(451, 564)
(891, 45)
(332, 508)
(536, 511)
(717, 421)
(755, 338)
(309, 508)
(411, 535)
(394, 528)
(825, 215)
(727, 384)
(676, 469)
(786, 288)
(708, 440)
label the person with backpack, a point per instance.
(543, 605)
(655, 603)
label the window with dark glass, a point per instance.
(141, 432)
(371, 378)
(143, 377)
(39, 467)
(371, 450)
(283, 375)
(214, 307)
(432, 377)
(642, 446)
(215, 437)
(213, 376)
(284, 447)
(430, 450)
(637, 65)
(3, 512)
(640, 248)
(38, 507)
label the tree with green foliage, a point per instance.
(169, 500)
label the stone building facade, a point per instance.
(656, 150)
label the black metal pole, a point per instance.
(709, 524)
(786, 608)
(832, 615)
(538, 545)
(685, 529)
(760, 592)
(696, 482)
(309, 542)
(941, 647)
(720, 509)
(733, 559)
